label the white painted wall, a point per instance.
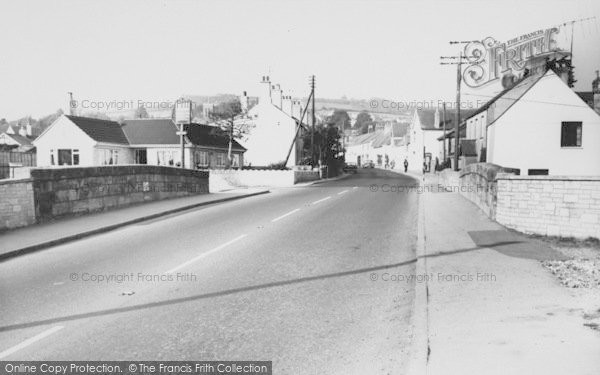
(528, 135)
(63, 134)
(422, 141)
(476, 129)
(270, 137)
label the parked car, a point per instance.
(350, 168)
(368, 164)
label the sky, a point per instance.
(116, 51)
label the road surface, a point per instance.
(286, 276)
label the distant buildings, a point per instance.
(385, 146)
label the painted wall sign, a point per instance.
(491, 60)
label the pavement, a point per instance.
(37, 237)
(491, 307)
(300, 276)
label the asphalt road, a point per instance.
(286, 276)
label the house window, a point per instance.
(75, 157)
(570, 134)
(65, 157)
(537, 172)
(202, 158)
(141, 156)
(236, 160)
(52, 158)
(220, 159)
(110, 157)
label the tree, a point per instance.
(231, 121)
(141, 112)
(363, 121)
(327, 143)
(340, 119)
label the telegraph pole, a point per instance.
(458, 64)
(182, 133)
(312, 133)
(71, 104)
(457, 125)
(444, 137)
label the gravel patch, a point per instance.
(581, 269)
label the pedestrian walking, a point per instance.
(405, 165)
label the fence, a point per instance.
(11, 157)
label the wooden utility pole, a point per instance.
(458, 64)
(298, 127)
(312, 133)
(181, 133)
(71, 104)
(444, 137)
(457, 125)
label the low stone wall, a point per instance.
(258, 178)
(550, 205)
(565, 206)
(16, 203)
(60, 192)
(478, 184)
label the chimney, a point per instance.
(297, 109)
(287, 105)
(28, 130)
(265, 91)
(277, 96)
(244, 102)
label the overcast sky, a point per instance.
(159, 50)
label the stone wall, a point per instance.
(71, 191)
(477, 183)
(550, 205)
(545, 205)
(16, 203)
(52, 193)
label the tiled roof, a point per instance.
(363, 138)
(151, 131)
(100, 130)
(427, 117)
(382, 139)
(22, 141)
(210, 136)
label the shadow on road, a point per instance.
(500, 245)
(201, 296)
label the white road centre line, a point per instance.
(204, 255)
(321, 200)
(30, 341)
(284, 215)
(343, 192)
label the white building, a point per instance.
(422, 141)
(539, 126)
(274, 123)
(73, 140)
(381, 146)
